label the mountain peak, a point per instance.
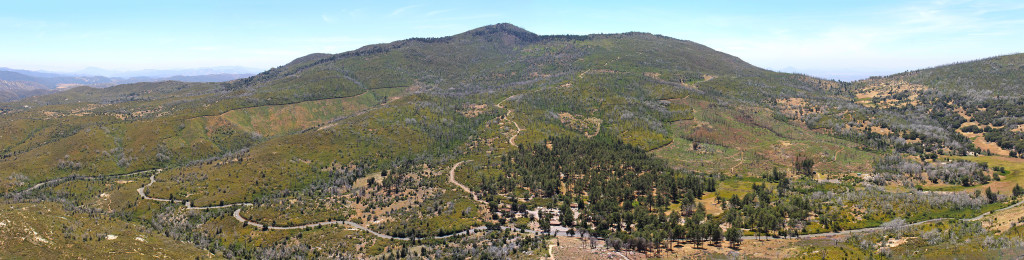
(505, 31)
(501, 28)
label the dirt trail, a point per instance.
(508, 116)
(451, 178)
(605, 65)
(551, 251)
(740, 159)
(512, 140)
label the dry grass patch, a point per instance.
(710, 206)
(985, 145)
(886, 88)
(473, 110)
(881, 130)
(772, 249)
(1003, 220)
(979, 141)
(589, 126)
(578, 248)
(795, 107)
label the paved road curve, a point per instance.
(188, 204)
(71, 178)
(238, 216)
(451, 178)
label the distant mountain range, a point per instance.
(16, 83)
(167, 73)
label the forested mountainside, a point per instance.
(480, 144)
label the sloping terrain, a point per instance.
(951, 129)
(635, 84)
(49, 231)
(426, 143)
(994, 76)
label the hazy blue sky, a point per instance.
(826, 38)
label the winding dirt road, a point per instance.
(512, 140)
(451, 178)
(508, 116)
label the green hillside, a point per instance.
(426, 138)
(1001, 75)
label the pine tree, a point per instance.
(716, 234)
(566, 216)
(734, 237)
(545, 222)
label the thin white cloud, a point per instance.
(355, 13)
(471, 17)
(951, 16)
(341, 15)
(985, 7)
(404, 9)
(327, 18)
(340, 40)
(900, 38)
(439, 27)
(437, 12)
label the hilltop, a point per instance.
(1000, 75)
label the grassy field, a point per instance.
(751, 141)
(1014, 173)
(737, 187)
